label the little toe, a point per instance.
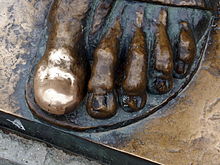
(186, 52)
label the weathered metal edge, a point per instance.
(69, 142)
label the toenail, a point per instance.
(99, 102)
(160, 85)
(95, 104)
(180, 67)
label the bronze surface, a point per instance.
(184, 132)
(187, 132)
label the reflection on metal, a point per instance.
(17, 123)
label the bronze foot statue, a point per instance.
(135, 47)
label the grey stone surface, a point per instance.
(15, 150)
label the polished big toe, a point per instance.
(58, 86)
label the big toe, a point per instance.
(57, 97)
